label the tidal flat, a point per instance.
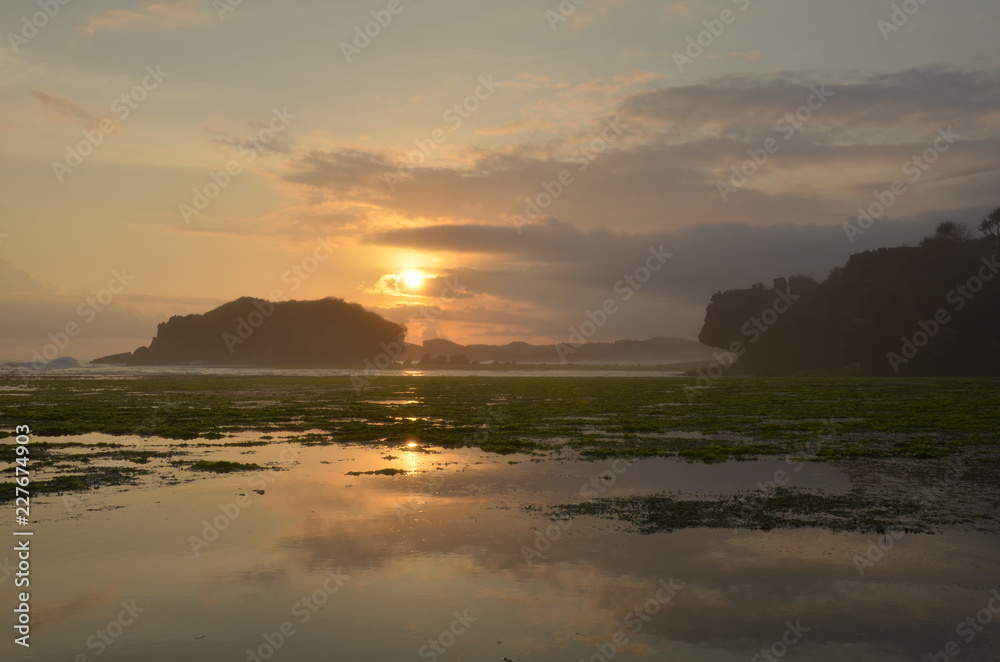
(548, 514)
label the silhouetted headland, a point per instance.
(252, 331)
(932, 309)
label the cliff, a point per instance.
(252, 331)
(927, 310)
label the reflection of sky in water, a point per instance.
(419, 548)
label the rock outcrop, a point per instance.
(927, 310)
(252, 331)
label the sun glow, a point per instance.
(413, 279)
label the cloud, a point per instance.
(674, 9)
(868, 110)
(34, 311)
(737, 254)
(680, 142)
(432, 286)
(14, 280)
(252, 139)
(619, 82)
(64, 108)
(544, 281)
(527, 125)
(154, 15)
(595, 209)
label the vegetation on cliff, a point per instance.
(931, 309)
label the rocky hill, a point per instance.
(252, 331)
(927, 310)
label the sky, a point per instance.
(482, 172)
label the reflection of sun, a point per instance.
(412, 457)
(413, 279)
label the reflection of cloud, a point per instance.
(162, 15)
(735, 590)
(85, 602)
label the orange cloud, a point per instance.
(514, 127)
(162, 15)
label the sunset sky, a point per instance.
(117, 116)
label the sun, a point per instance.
(413, 279)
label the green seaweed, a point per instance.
(815, 418)
(388, 471)
(94, 479)
(781, 508)
(224, 467)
